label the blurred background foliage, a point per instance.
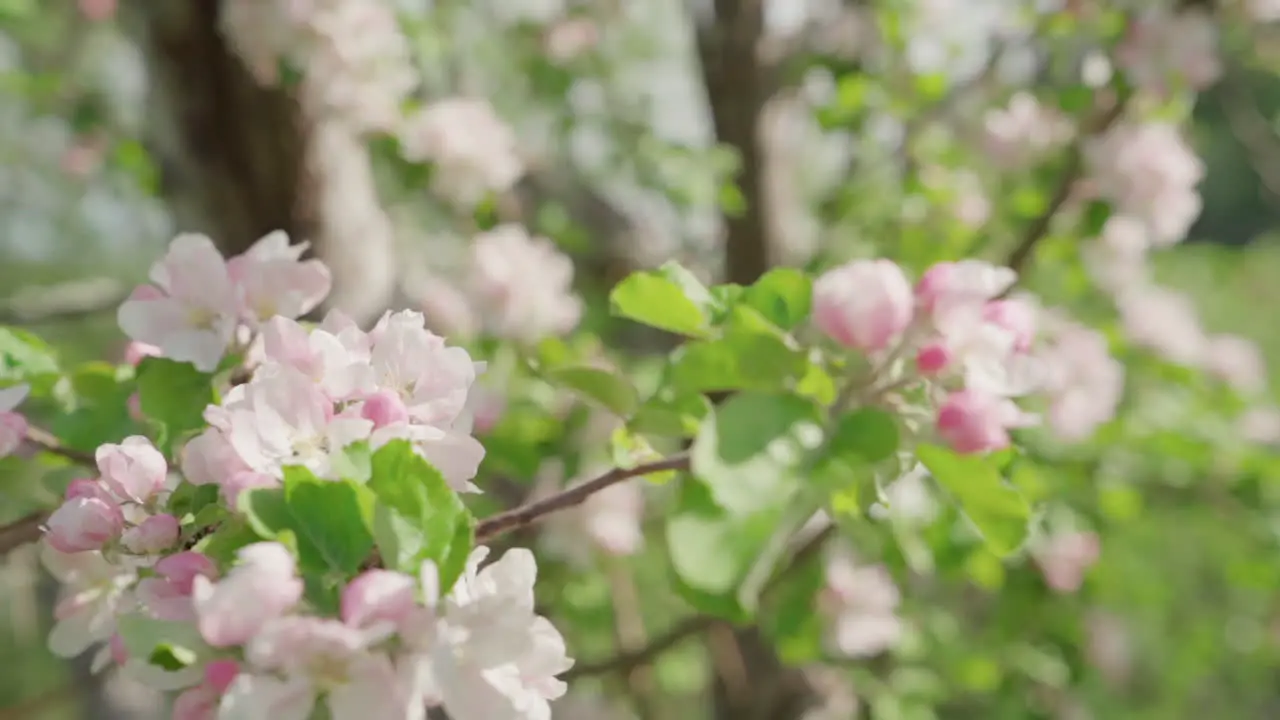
(1181, 616)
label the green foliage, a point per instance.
(998, 510)
(609, 389)
(25, 358)
(418, 516)
(669, 298)
(174, 395)
(327, 522)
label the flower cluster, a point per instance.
(517, 287)
(354, 60)
(1165, 50)
(972, 350)
(316, 392)
(201, 307)
(861, 602)
(473, 151)
(254, 642)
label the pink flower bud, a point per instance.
(13, 430)
(119, 654)
(135, 351)
(384, 408)
(933, 358)
(974, 422)
(89, 488)
(182, 568)
(219, 674)
(933, 284)
(156, 534)
(84, 523)
(133, 470)
(378, 596)
(864, 304)
(243, 480)
(1016, 316)
(98, 10)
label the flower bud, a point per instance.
(933, 358)
(133, 470)
(219, 674)
(135, 351)
(974, 422)
(182, 568)
(377, 596)
(156, 534)
(864, 304)
(84, 523)
(13, 430)
(384, 408)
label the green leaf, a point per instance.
(172, 657)
(222, 545)
(354, 462)
(419, 516)
(869, 434)
(671, 413)
(328, 520)
(101, 413)
(998, 510)
(174, 394)
(783, 295)
(330, 516)
(143, 636)
(712, 551)
(611, 390)
(24, 357)
(668, 298)
(747, 453)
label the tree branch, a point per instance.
(22, 531)
(493, 526)
(46, 441)
(1039, 227)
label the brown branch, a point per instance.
(46, 441)
(1039, 227)
(21, 532)
(493, 526)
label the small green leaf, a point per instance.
(354, 462)
(143, 636)
(783, 295)
(24, 357)
(869, 434)
(998, 510)
(172, 657)
(611, 390)
(668, 298)
(174, 394)
(748, 451)
(328, 520)
(669, 413)
(419, 516)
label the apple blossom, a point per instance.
(190, 311)
(861, 602)
(259, 589)
(13, 425)
(1084, 383)
(523, 285)
(134, 470)
(1064, 558)
(972, 421)
(94, 593)
(84, 522)
(472, 150)
(1149, 173)
(153, 535)
(272, 280)
(864, 304)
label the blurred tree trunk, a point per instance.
(239, 160)
(751, 683)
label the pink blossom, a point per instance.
(295, 659)
(1166, 48)
(334, 356)
(1023, 131)
(135, 351)
(948, 285)
(190, 312)
(201, 702)
(93, 594)
(378, 596)
(260, 588)
(154, 535)
(208, 458)
(13, 425)
(864, 304)
(1084, 383)
(84, 522)
(133, 470)
(168, 596)
(473, 150)
(1238, 362)
(384, 408)
(1149, 173)
(862, 602)
(1064, 558)
(522, 285)
(272, 279)
(1163, 321)
(98, 10)
(975, 422)
(1015, 315)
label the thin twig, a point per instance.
(493, 526)
(46, 441)
(22, 531)
(1039, 227)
